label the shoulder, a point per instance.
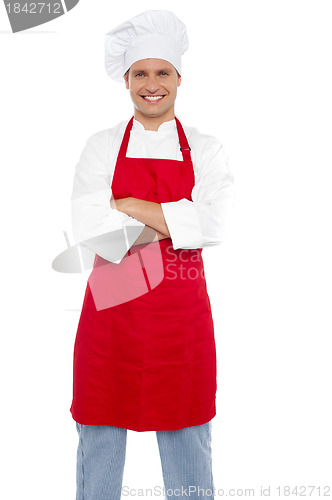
(108, 134)
(104, 144)
(200, 141)
(206, 149)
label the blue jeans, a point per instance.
(185, 454)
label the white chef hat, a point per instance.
(154, 33)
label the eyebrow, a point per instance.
(159, 70)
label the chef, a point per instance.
(147, 362)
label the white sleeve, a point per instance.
(203, 221)
(103, 229)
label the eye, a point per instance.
(139, 74)
(163, 73)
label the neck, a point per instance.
(153, 122)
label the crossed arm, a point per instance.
(147, 212)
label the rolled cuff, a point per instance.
(111, 237)
(183, 224)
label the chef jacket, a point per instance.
(192, 224)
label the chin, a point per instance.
(152, 112)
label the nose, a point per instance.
(152, 84)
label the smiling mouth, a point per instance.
(152, 98)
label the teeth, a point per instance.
(153, 98)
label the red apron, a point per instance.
(148, 363)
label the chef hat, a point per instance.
(154, 33)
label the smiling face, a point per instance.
(153, 84)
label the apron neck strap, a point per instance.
(125, 140)
(184, 146)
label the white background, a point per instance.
(257, 75)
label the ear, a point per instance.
(179, 81)
(125, 76)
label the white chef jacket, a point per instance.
(191, 224)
